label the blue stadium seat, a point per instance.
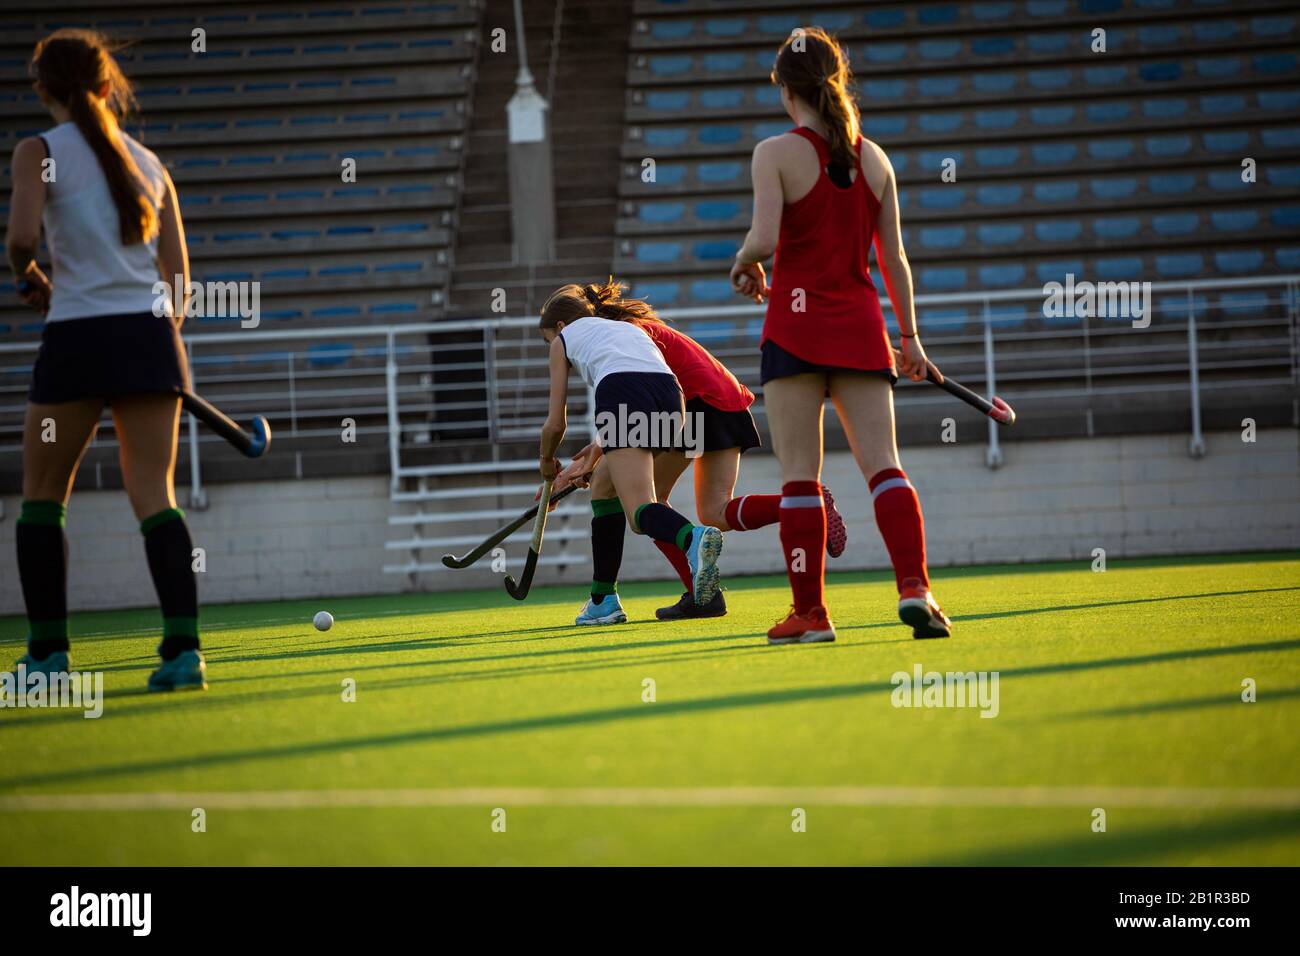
(1244, 302)
(943, 237)
(943, 197)
(660, 293)
(943, 279)
(996, 156)
(1125, 268)
(1058, 230)
(1234, 220)
(1164, 147)
(1060, 191)
(712, 290)
(1054, 154)
(941, 87)
(1113, 188)
(661, 212)
(1281, 138)
(716, 250)
(1285, 217)
(1116, 227)
(1171, 184)
(1049, 79)
(940, 122)
(1110, 150)
(1231, 141)
(1180, 265)
(1214, 31)
(994, 82)
(1002, 275)
(1004, 194)
(876, 90)
(1175, 223)
(1218, 67)
(1239, 261)
(999, 234)
(1057, 271)
(1288, 259)
(658, 252)
(996, 119)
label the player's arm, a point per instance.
(747, 276)
(557, 415)
(173, 256)
(23, 237)
(894, 266)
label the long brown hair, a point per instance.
(814, 67)
(571, 302)
(72, 66)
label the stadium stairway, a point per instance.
(591, 53)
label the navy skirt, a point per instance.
(107, 356)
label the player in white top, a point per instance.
(113, 227)
(638, 412)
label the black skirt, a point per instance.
(721, 430)
(780, 363)
(639, 410)
(108, 356)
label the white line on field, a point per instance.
(881, 796)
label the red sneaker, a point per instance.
(837, 536)
(811, 627)
(917, 607)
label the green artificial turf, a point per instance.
(1131, 678)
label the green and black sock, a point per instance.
(43, 570)
(608, 525)
(170, 550)
(662, 523)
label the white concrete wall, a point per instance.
(1132, 496)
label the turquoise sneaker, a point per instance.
(706, 545)
(608, 611)
(56, 662)
(186, 671)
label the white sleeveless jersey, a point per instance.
(598, 347)
(93, 273)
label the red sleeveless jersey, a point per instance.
(698, 373)
(821, 263)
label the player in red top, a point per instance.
(822, 195)
(719, 430)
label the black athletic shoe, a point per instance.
(687, 607)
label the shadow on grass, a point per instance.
(573, 719)
(1172, 706)
(1140, 847)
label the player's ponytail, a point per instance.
(75, 67)
(603, 300)
(812, 66)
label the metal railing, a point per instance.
(476, 390)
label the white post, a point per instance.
(198, 498)
(394, 421)
(1196, 446)
(993, 457)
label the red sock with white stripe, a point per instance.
(898, 516)
(751, 512)
(677, 558)
(803, 542)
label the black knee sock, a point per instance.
(170, 550)
(662, 523)
(43, 570)
(608, 524)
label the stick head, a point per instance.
(261, 437)
(1002, 412)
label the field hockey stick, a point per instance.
(520, 591)
(997, 409)
(252, 446)
(465, 560)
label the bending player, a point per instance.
(822, 195)
(635, 391)
(717, 406)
